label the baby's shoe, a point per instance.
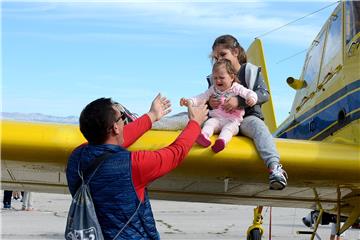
(203, 140)
(219, 145)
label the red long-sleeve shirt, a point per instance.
(146, 166)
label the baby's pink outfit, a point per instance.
(225, 123)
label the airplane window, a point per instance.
(333, 46)
(313, 58)
(352, 19)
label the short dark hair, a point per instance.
(230, 42)
(96, 119)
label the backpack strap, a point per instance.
(127, 223)
(92, 168)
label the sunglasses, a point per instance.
(122, 117)
(123, 113)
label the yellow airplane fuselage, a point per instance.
(328, 107)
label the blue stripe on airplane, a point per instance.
(325, 118)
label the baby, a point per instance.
(225, 85)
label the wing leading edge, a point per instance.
(34, 157)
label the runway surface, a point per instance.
(175, 220)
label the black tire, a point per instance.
(255, 234)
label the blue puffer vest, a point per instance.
(113, 192)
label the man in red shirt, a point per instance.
(118, 187)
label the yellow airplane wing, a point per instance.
(34, 157)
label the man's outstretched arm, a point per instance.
(150, 165)
(160, 106)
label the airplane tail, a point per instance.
(255, 54)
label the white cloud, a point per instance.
(189, 17)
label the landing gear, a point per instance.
(255, 231)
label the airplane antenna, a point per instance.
(298, 53)
(297, 19)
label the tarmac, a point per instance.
(175, 220)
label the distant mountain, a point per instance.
(38, 117)
(173, 122)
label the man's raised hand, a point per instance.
(198, 114)
(160, 106)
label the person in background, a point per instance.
(17, 195)
(7, 199)
(119, 186)
(252, 126)
(27, 201)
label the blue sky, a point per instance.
(59, 56)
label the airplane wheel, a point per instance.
(255, 234)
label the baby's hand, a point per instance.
(251, 101)
(251, 98)
(184, 102)
(214, 102)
